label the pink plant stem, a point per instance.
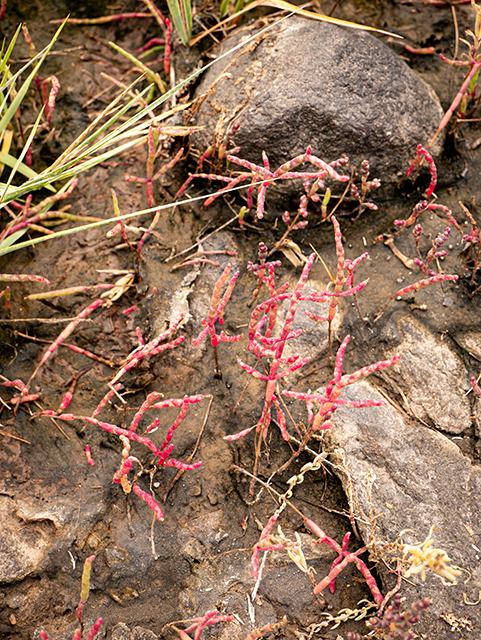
(475, 386)
(111, 428)
(258, 545)
(420, 153)
(124, 469)
(348, 557)
(143, 495)
(102, 20)
(18, 384)
(129, 309)
(151, 398)
(6, 277)
(88, 453)
(49, 99)
(95, 629)
(425, 283)
(208, 619)
(457, 100)
(84, 593)
(3, 8)
(150, 349)
(167, 29)
(65, 333)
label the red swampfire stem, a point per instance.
(344, 558)
(88, 453)
(65, 334)
(85, 590)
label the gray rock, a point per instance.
(312, 83)
(432, 377)
(422, 479)
(36, 535)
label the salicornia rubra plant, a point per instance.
(342, 280)
(266, 177)
(216, 313)
(127, 436)
(327, 403)
(199, 624)
(84, 594)
(341, 561)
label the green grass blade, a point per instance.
(152, 77)
(18, 162)
(182, 17)
(6, 57)
(25, 86)
(11, 161)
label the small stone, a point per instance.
(114, 556)
(15, 601)
(138, 633)
(120, 632)
(212, 499)
(197, 490)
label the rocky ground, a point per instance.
(411, 464)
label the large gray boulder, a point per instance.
(421, 479)
(312, 83)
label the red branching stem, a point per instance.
(151, 398)
(106, 399)
(150, 500)
(167, 29)
(183, 404)
(420, 153)
(208, 619)
(65, 333)
(263, 346)
(425, 283)
(88, 454)
(151, 348)
(111, 428)
(284, 172)
(347, 557)
(260, 545)
(216, 312)
(329, 402)
(49, 99)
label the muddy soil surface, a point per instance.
(57, 509)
